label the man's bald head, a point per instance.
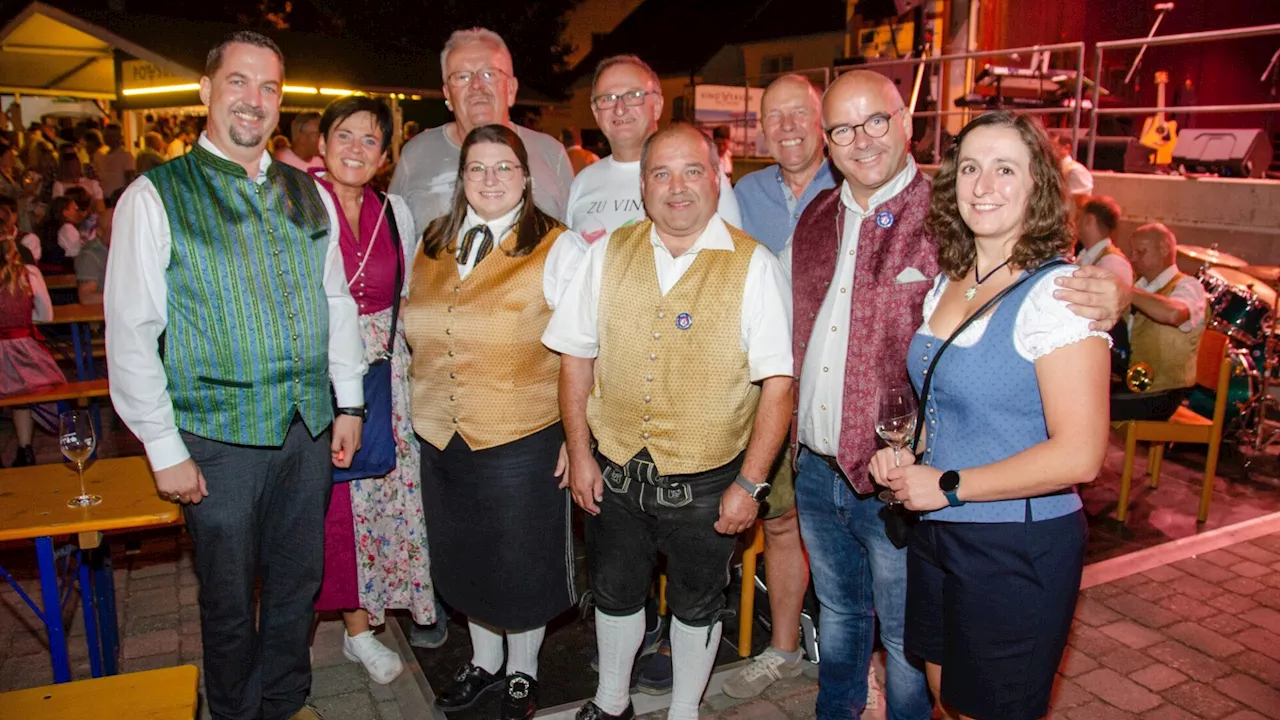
(876, 130)
(788, 83)
(863, 83)
(1153, 247)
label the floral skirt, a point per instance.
(382, 526)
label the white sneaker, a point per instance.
(764, 670)
(382, 663)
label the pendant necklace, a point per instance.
(978, 280)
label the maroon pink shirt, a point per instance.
(375, 288)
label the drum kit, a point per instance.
(1242, 302)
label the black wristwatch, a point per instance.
(361, 412)
(949, 483)
(758, 492)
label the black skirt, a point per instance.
(498, 529)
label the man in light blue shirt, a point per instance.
(772, 199)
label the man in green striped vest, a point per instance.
(228, 318)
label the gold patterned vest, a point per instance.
(479, 366)
(1170, 352)
(671, 375)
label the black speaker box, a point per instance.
(1117, 154)
(1229, 153)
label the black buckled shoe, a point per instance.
(469, 684)
(592, 711)
(521, 700)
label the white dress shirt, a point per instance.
(766, 301)
(821, 410)
(41, 305)
(562, 260)
(1117, 263)
(1079, 179)
(136, 299)
(1188, 290)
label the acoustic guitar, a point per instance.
(1159, 133)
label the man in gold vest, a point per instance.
(1164, 329)
(675, 342)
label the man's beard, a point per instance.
(248, 141)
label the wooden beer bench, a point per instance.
(165, 694)
(80, 392)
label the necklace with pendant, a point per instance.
(972, 292)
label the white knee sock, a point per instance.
(618, 640)
(693, 654)
(486, 647)
(522, 651)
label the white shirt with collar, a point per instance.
(562, 260)
(136, 300)
(766, 301)
(1117, 263)
(821, 410)
(1188, 290)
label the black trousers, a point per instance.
(1147, 405)
(643, 514)
(264, 517)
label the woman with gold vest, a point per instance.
(485, 409)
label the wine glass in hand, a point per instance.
(76, 438)
(895, 423)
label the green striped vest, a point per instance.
(247, 344)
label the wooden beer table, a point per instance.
(33, 506)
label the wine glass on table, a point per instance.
(76, 438)
(895, 424)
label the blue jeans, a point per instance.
(858, 575)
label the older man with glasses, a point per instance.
(480, 88)
(626, 99)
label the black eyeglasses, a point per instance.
(876, 126)
(634, 98)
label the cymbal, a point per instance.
(1211, 256)
(1268, 273)
(1244, 281)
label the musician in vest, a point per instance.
(485, 409)
(235, 261)
(674, 337)
(1165, 327)
(861, 261)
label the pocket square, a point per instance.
(909, 275)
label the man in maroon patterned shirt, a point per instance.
(861, 263)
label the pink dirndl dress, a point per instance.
(25, 363)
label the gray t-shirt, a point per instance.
(428, 171)
(91, 263)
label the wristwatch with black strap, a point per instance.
(361, 411)
(949, 483)
(758, 491)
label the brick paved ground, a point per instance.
(1198, 638)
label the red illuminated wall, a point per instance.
(1222, 72)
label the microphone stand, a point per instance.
(1162, 8)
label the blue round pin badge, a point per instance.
(884, 218)
(684, 321)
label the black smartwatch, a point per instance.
(757, 492)
(949, 483)
(361, 412)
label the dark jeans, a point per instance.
(264, 517)
(1148, 405)
(859, 577)
(643, 514)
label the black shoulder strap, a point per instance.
(928, 374)
(395, 300)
